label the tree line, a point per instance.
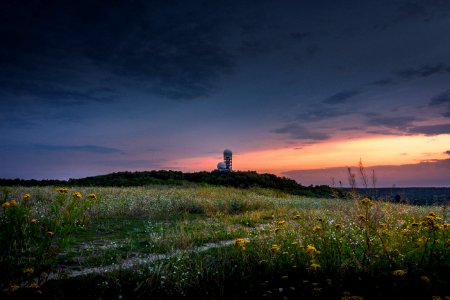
(237, 179)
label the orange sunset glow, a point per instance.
(373, 151)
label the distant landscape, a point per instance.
(240, 179)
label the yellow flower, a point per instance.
(436, 298)
(431, 221)
(276, 229)
(294, 243)
(317, 229)
(91, 196)
(33, 221)
(13, 203)
(77, 195)
(26, 196)
(6, 204)
(362, 217)
(281, 223)
(275, 248)
(399, 273)
(338, 226)
(314, 267)
(28, 271)
(311, 250)
(33, 285)
(241, 242)
(13, 287)
(367, 202)
(382, 226)
(62, 190)
(297, 217)
(50, 233)
(405, 231)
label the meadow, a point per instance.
(209, 242)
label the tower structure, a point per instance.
(228, 159)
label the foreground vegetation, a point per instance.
(217, 242)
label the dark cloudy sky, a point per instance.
(92, 87)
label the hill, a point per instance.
(238, 179)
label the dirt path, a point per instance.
(135, 261)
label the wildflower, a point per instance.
(28, 271)
(425, 280)
(294, 243)
(382, 226)
(26, 196)
(77, 195)
(405, 231)
(446, 226)
(297, 217)
(276, 229)
(317, 229)
(33, 221)
(436, 298)
(284, 277)
(91, 196)
(13, 287)
(276, 248)
(62, 190)
(281, 223)
(6, 204)
(366, 202)
(314, 267)
(50, 233)
(311, 250)
(338, 226)
(33, 285)
(362, 217)
(241, 243)
(399, 273)
(13, 203)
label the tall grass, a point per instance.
(284, 245)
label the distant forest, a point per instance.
(236, 179)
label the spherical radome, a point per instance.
(221, 166)
(227, 152)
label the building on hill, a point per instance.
(227, 164)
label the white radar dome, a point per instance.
(221, 166)
(227, 152)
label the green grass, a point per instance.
(293, 246)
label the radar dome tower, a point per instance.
(228, 159)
